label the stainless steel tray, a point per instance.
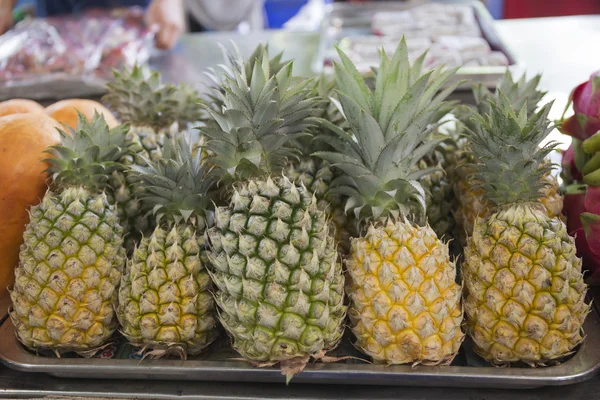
(468, 370)
(343, 19)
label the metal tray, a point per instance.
(467, 370)
(354, 19)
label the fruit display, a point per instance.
(67, 112)
(23, 181)
(261, 219)
(71, 261)
(19, 106)
(525, 294)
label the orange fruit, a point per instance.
(19, 106)
(23, 138)
(65, 111)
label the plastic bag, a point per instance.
(73, 55)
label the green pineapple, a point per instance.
(149, 107)
(165, 303)
(525, 294)
(72, 257)
(273, 255)
(405, 305)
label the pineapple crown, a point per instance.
(139, 98)
(176, 185)
(189, 109)
(520, 93)
(261, 115)
(510, 162)
(234, 60)
(389, 130)
(88, 154)
(324, 88)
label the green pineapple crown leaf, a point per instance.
(189, 109)
(389, 128)
(506, 144)
(88, 154)
(261, 115)
(233, 59)
(522, 92)
(139, 98)
(175, 186)
(324, 88)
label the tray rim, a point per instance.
(488, 75)
(585, 363)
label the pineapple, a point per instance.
(470, 198)
(405, 303)
(525, 294)
(165, 302)
(317, 174)
(72, 257)
(150, 108)
(273, 255)
(189, 109)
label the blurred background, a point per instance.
(276, 13)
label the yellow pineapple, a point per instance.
(525, 295)
(405, 305)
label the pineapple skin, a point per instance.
(274, 261)
(165, 298)
(551, 198)
(439, 194)
(69, 269)
(316, 175)
(405, 302)
(471, 202)
(525, 294)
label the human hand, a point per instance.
(167, 18)
(6, 15)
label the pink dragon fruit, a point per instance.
(586, 104)
(581, 163)
(570, 173)
(582, 207)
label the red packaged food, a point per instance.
(72, 55)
